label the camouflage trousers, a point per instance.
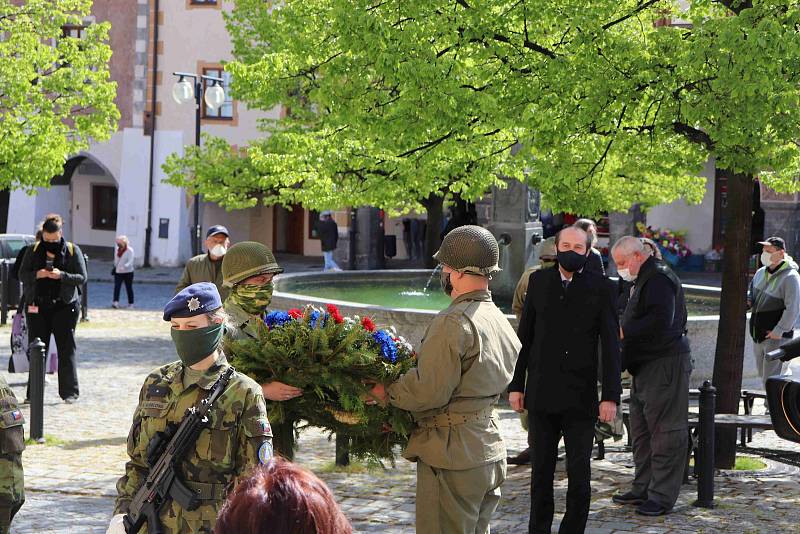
(12, 493)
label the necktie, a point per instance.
(565, 283)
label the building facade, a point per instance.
(117, 187)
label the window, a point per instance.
(72, 30)
(203, 2)
(104, 207)
(224, 112)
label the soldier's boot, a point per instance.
(523, 458)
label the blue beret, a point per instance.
(196, 299)
(217, 229)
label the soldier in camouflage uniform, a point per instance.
(12, 443)
(238, 436)
(247, 270)
(466, 361)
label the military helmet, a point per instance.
(470, 249)
(246, 259)
(548, 249)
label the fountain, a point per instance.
(394, 297)
(515, 223)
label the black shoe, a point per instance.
(628, 498)
(523, 458)
(72, 399)
(651, 508)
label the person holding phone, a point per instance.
(52, 273)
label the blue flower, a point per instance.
(387, 345)
(316, 317)
(277, 318)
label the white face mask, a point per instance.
(218, 251)
(626, 275)
(766, 258)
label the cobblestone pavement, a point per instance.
(70, 481)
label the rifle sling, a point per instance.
(207, 491)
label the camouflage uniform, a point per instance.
(238, 438)
(12, 443)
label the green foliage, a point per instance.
(55, 92)
(333, 361)
(390, 101)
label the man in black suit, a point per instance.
(565, 314)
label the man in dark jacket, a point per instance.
(567, 311)
(656, 352)
(52, 272)
(328, 232)
(595, 260)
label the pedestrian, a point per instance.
(52, 273)
(238, 435)
(282, 498)
(567, 311)
(123, 270)
(12, 443)
(417, 239)
(208, 267)
(328, 232)
(248, 269)
(774, 299)
(595, 261)
(547, 259)
(466, 361)
(656, 352)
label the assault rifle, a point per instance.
(165, 453)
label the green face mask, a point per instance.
(547, 263)
(194, 345)
(252, 299)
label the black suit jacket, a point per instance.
(559, 331)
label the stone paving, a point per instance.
(70, 481)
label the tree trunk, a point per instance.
(434, 207)
(729, 355)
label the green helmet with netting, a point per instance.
(470, 249)
(246, 259)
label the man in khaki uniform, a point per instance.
(547, 258)
(208, 267)
(12, 443)
(466, 361)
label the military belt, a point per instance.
(207, 491)
(455, 419)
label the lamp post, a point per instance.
(185, 91)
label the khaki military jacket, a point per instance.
(521, 290)
(238, 438)
(12, 443)
(466, 361)
(202, 269)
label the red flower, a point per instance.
(332, 309)
(295, 313)
(368, 325)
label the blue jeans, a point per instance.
(329, 263)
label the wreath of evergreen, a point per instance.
(334, 360)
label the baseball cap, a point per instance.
(217, 229)
(774, 241)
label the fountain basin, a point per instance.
(397, 298)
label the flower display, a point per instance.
(672, 244)
(335, 360)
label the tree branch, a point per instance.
(633, 13)
(736, 6)
(693, 134)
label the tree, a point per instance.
(55, 93)
(609, 103)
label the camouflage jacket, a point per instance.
(238, 437)
(246, 324)
(12, 443)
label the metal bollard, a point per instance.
(4, 292)
(37, 357)
(342, 450)
(705, 456)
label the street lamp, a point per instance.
(185, 91)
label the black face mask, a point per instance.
(53, 247)
(571, 261)
(447, 287)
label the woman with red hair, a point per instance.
(281, 498)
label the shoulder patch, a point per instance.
(265, 452)
(155, 390)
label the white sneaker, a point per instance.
(115, 305)
(130, 306)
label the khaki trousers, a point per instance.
(458, 502)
